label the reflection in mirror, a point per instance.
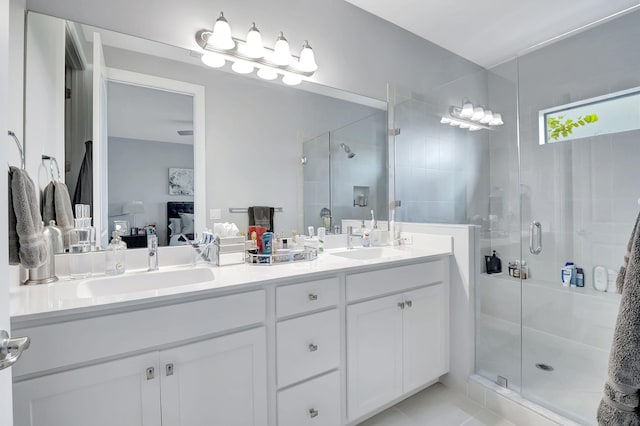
(256, 133)
(150, 162)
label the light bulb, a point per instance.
(212, 60)
(267, 74)
(254, 48)
(497, 120)
(464, 125)
(307, 61)
(242, 67)
(474, 128)
(221, 36)
(488, 116)
(478, 113)
(453, 123)
(445, 120)
(467, 110)
(291, 80)
(281, 52)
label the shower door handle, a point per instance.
(535, 237)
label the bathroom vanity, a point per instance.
(328, 342)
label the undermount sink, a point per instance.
(369, 253)
(143, 281)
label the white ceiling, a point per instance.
(136, 112)
(490, 32)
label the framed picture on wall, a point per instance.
(180, 181)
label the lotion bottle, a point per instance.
(115, 255)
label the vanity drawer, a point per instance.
(313, 403)
(307, 346)
(391, 280)
(304, 297)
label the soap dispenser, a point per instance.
(116, 255)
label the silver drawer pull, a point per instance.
(409, 303)
(312, 347)
(313, 296)
(313, 412)
(151, 373)
(401, 305)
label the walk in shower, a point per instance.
(557, 182)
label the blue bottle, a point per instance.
(267, 243)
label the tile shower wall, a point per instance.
(585, 192)
(316, 172)
(442, 172)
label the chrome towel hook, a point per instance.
(52, 161)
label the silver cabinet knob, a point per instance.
(168, 369)
(409, 303)
(313, 413)
(312, 347)
(313, 296)
(401, 305)
(151, 373)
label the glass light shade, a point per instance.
(445, 120)
(267, 74)
(307, 59)
(474, 128)
(488, 116)
(254, 47)
(242, 67)
(212, 60)
(478, 113)
(281, 52)
(464, 126)
(291, 80)
(453, 123)
(497, 119)
(221, 36)
(467, 110)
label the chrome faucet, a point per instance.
(152, 251)
(351, 236)
(201, 253)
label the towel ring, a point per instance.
(52, 161)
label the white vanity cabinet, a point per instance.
(396, 343)
(196, 380)
(308, 354)
(216, 381)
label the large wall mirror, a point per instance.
(311, 151)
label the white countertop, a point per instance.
(58, 301)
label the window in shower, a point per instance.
(611, 113)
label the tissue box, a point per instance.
(229, 250)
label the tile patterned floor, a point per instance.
(437, 406)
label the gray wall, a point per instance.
(355, 50)
(139, 170)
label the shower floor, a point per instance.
(574, 387)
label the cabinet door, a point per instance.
(374, 354)
(111, 393)
(424, 336)
(221, 381)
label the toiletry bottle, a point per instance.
(115, 255)
(366, 239)
(321, 236)
(267, 243)
(567, 273)
(579, 277)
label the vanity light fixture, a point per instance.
(472, 117)
(219, 47)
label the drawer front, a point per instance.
(112, 335)
(307, 346)
(305, 297)
(390, 280)
(313, 403)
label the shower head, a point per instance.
(347, 150)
